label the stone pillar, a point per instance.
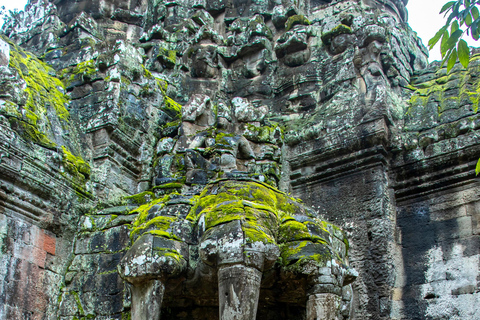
(323, 306)
(147, 300)
(238, 292)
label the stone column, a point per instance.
(238, 292)
(323, 306)
(147, 300)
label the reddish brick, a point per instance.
(44, 240)
(38, 257)
(49, 244)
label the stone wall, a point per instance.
(437, 195)
(110, 105)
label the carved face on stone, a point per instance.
(292, 48)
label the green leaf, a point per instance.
(452, 41)
(475, 33)
(454, 27)
(475, 13)
(473, 29)
(432, 42)
(463, 53)
(468, 20)
(467, 3)
(456, 10)
(477, 168)
(447, 6)
(444, 43)
(451, 60)
(456, 7)
(451, 17)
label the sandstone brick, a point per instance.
(397, 294)
(49, 243)
(38, 256)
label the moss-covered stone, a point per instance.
(169, 254)
(82, 72)
(43, 91)
(439, 92)
(292, 230)
(140, 198)
(268, 133)
(296, 255)
(75, 164)
(158, 225)
(296, 20)
(338, 30)
(167, 57)
(261, 208)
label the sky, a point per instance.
(13, 4)
(424, 18)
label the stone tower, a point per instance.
(234, 159)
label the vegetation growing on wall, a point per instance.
(43, 91)
(463, 18)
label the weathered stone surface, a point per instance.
(150, 140)
(240, 229)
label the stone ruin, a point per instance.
(219, 159)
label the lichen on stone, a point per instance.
(167, 57)
(338, 30)
(83, 72)
(75, 164)
(295, 20)
(43, 91)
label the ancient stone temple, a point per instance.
(234, 160)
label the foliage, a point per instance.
(463, 18)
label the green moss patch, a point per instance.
(266, 215)
(140, 198)
(271, 134)
(167, 57)
(169, 254)
(259, 207)
(338, 30)
(438, 92)
(159, 226)
(295, 255)
(75, 164)
(293, 230)
(43, 91)
(295, 20)
(82, 72)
